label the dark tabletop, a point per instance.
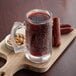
(15, 10)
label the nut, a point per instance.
(19, 38)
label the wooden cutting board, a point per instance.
(18, 61)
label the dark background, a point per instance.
(15, 10)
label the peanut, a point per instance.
(19, 38)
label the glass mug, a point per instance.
(38, 35)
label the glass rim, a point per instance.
(39, 10)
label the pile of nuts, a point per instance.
(19, 38)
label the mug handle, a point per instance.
(17, 26)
